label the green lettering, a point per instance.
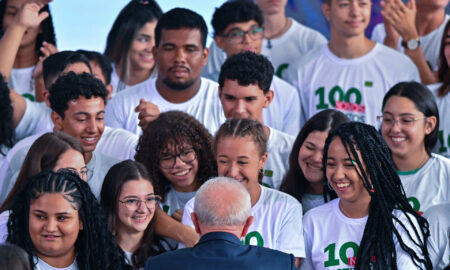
(322, 105)
(280, 70)
(331, 97)
(414, 203)
(443, 149)
(353, 91)
(343, 251)
(332, 261)
(256, 235)
(166, 208)
(29, 96)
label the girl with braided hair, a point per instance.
(370, 225)
(57, 220)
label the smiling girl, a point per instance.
(371, 225)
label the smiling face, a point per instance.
(72, 160)
(348, 18)
(343, 176)
(247, 44)
(134, 220)
(183, 174)
(54, 226)
(310, 157)
(180, 57)
(140, 52)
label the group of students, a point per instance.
(102, 155)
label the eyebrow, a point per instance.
(43, 212)
(402, 114)
(87, 114)
(144, 35)
(134, 196)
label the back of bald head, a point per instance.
(222, 202)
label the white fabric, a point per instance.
(176, 200)
(41, 265)
(98, 167)
(430, 43)
(277, 223)
(443, 103)
(283, 112)
(128, 257)
(4, 217)
(430, 185)
(297, 40)
(327, 231)
(119, 86)
(367, 78)
(309, 201)
(438, 217)
(21, 80)
(36, 119)
(205, 106)
(279, 147)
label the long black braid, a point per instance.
(95, 248)
(378, 174)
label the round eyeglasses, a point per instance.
(134, 203)
(187, 155)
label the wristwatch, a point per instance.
(411, 44)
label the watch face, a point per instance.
(412, 44)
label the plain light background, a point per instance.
(85, 24)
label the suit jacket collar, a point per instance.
(219, 236)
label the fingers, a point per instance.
(47, 49)
(42, 16)
(178, 215)
(147, 112)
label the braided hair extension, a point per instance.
(175, 128)
(7, 137)
(94, 247)
(377, 172)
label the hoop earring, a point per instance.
(328, 184)
(260, 175)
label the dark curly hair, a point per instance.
(378, 175)
(71, 86)
(295, 183)
(247, 68)
(55, 64)
(116, 177)
(7, 137)
(235, 12)
(94, 246)
(175, 128)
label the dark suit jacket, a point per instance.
(220, 250)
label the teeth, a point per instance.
(140, 218)
(182, 173)
(314, 167)
(89, 139)
(343, 185)
(398, 139)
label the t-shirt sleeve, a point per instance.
(27, 125)
(439, 238)
(290, 239)
(306, 263)
(293, 114)
(114, 114)
(378, 33)
(188, 209)
(404, 260)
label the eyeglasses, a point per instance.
(402, 121)
(133, 204)
(168, 161)
(84, 173)
(237, 36)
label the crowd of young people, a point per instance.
(341, 145)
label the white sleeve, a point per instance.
(114, 116)
(439, 240)
(306, 263)
(188, 209)
(290, 238)
(27, 125)
(378, 33)
(215, 59)
(292, 114)
(404, 260)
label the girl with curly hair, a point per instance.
(57, 220)
(176, 149)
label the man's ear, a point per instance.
(268, 98)
(57, 121)
(205, 56)
(195, 221)
(46, 97)
(326, 9)
(220, 41)
(109, 90)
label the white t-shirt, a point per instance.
(4, 217)
(97, 167)
(297, 40)
(279, 147)
(309, 201)
(443, 103)
(41, 265)
(283, 112)
(277, 224)
(430, 185)
(438, 217)
(21, 80)
(204, 106)
(430, 43)
(119, 86)
(332, 239)
(354, 86)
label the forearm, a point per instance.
(169, 227)
(9, 46)
(19, 105)
(426, 74)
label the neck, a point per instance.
(255, 193)
(138, 75)
(87, 157)
(429, 20)
(26, 57)
(275, 25)
(62, 261)
(315, 188)
(129, 241)
(234, 230)
(411, 161)
(355, 210)
(350, 48)
(177, 96)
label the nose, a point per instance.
(354, 8)
(180, 55)
(337, 173)
(142, 207)
(91, 125)
(178, 162)
(317, 156)
(232, 171)
(239, 107)
(51, 225)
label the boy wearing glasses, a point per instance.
(238, 28)
(351, 73)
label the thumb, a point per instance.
(42, 16)
(138, 107)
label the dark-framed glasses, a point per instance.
(134, 203)
(236, 36)
(187, 155)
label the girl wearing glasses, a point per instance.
(409, 126)
(129, 200)
(176, 149)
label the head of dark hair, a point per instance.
(71, 86)
(102, 61)
(55, 64)
(7, 135)
(444, 66)
(179, 18)
(116, 177)
(129, 21)
(374, 165)
(295, 182)
(424, 102)
(235, 12)
(43, 155)
(95, 247)
(173, 129)
(13, 257)
(247, 68)
(48, 31)
(243, 128)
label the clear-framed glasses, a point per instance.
(237, 36)
(187, 155)
(134, 203)
(84, 173)
(403, 121)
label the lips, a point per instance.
(314, 167)
(89, 140)
(342, 186)
(50, 237)
(179, 70)
(140, 219)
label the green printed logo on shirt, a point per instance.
(443, 142)
(166, 208)
(415, 204)
(253, 238)
(280, 70)
(332, 256)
